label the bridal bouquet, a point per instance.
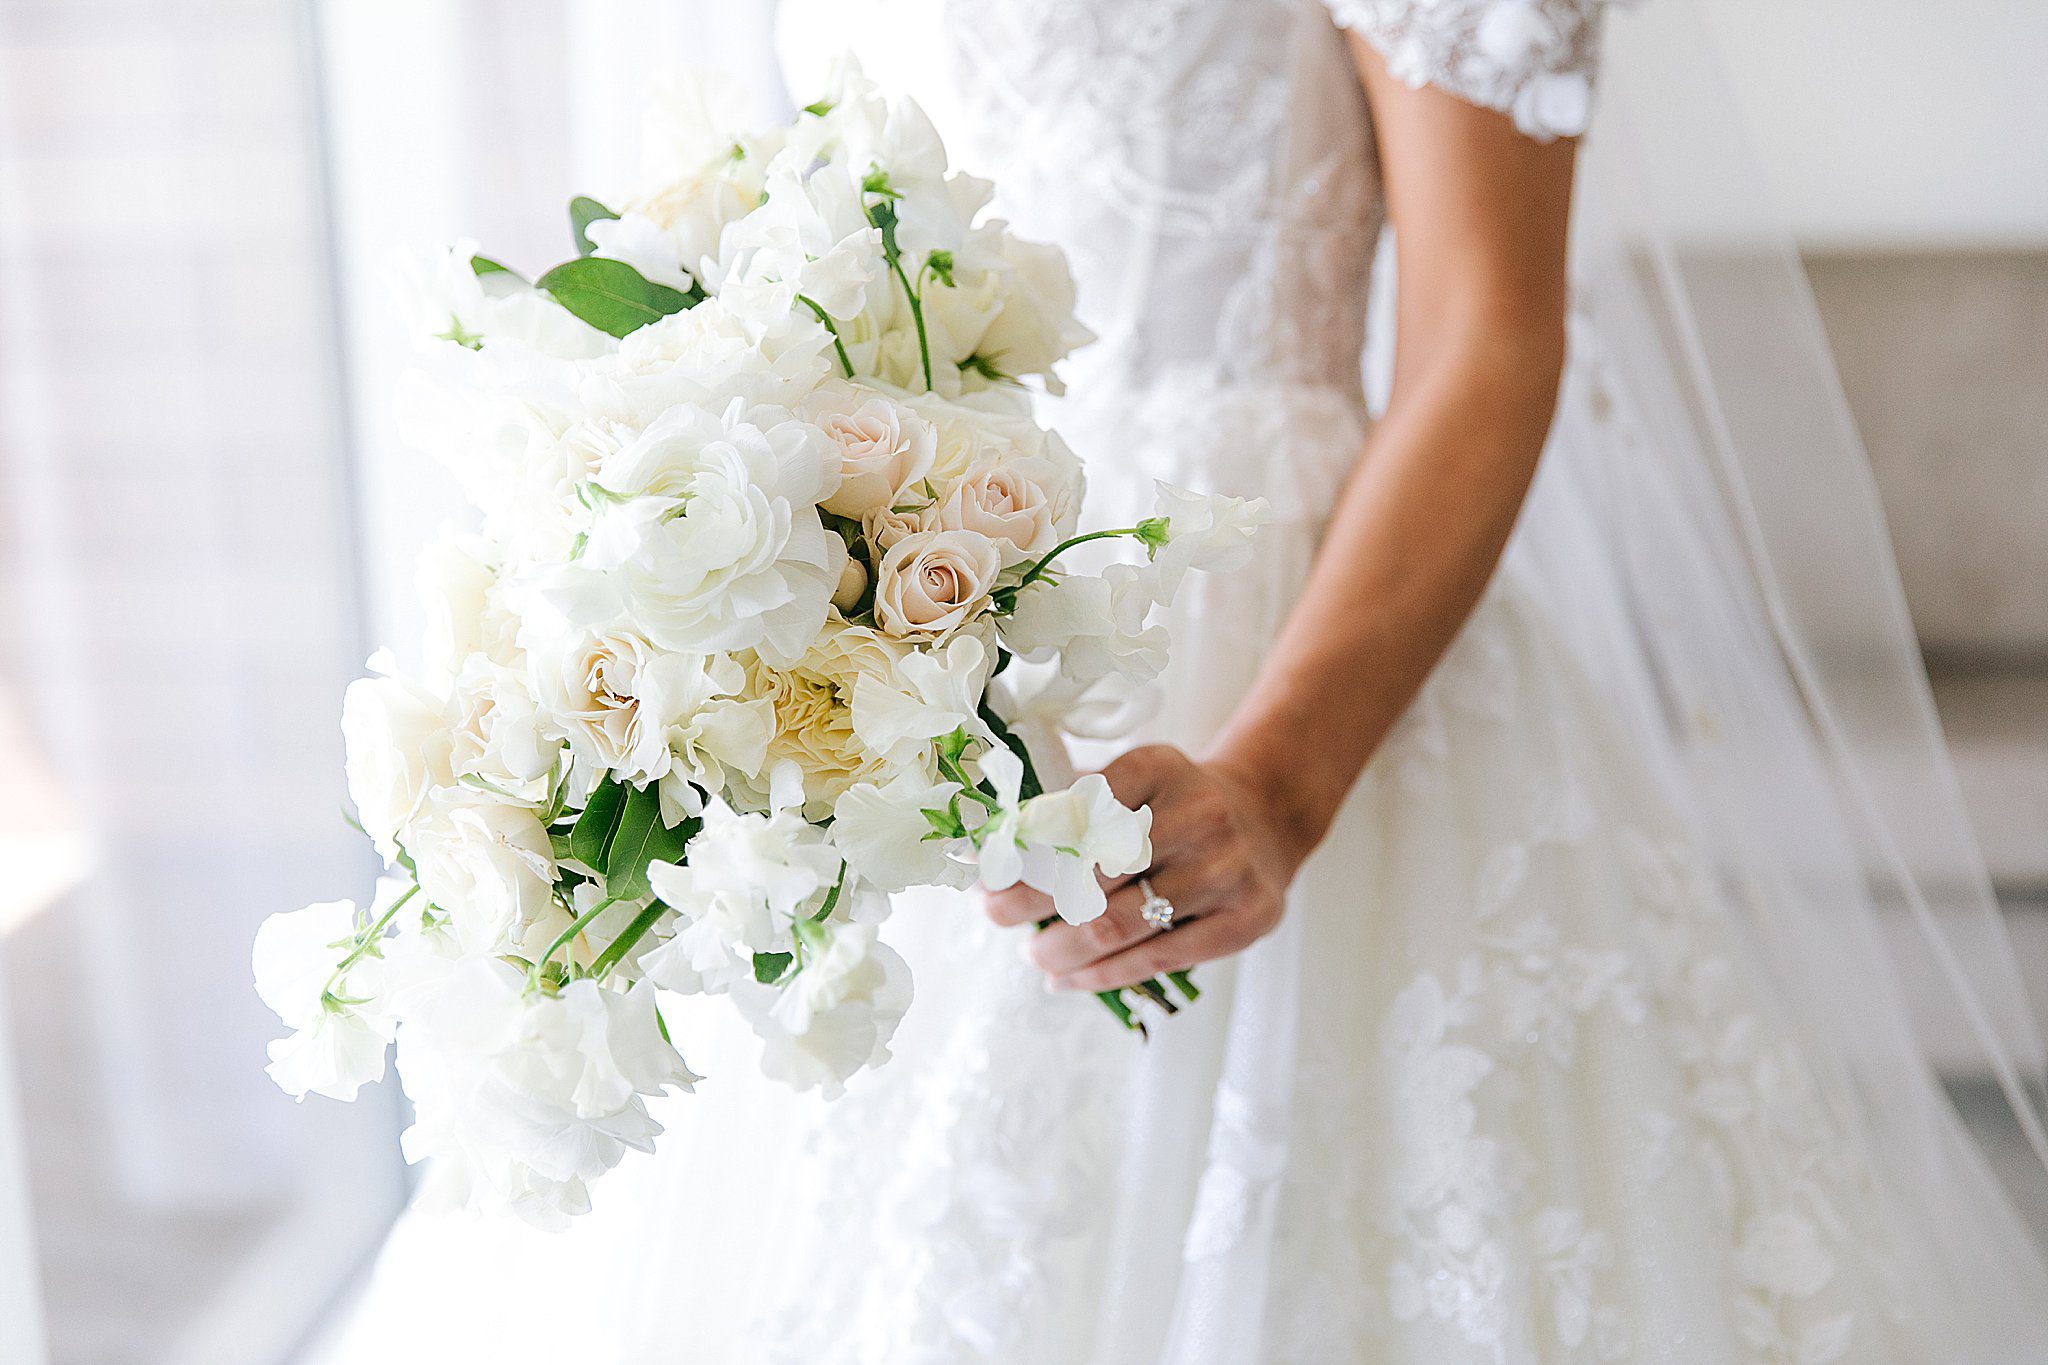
(766, 536)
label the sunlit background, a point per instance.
(205, 524)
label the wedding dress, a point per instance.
(1520, 1077)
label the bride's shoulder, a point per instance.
(1533, 59)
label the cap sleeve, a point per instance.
(1532, 59)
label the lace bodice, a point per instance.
(1208, 164)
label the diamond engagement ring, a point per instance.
(1156, 910)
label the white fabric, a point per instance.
(1519, 1078)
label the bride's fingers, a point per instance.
(1202, 940)
(1019, 904)
(1064, 947)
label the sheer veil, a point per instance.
(1740, 556)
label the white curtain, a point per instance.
(180, 614)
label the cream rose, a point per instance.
(813, 728)
(882, 447)
(887, 525)
(1016, 503)
(934, 582)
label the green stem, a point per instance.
(924, 350)
(576, 926)
(369, 939)
(1037, 570)
(844, 362)
(623, 944)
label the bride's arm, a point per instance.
(1479, 216)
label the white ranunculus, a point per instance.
(934, 692)
(398, 743)
(836, 1015)
(711, 541)
(1205, 532)
(489, 864)
(883, 448)
(932, 583)
(707, 357)
(1060, 841)
(883, 833)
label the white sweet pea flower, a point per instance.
(398, 744)
(882, 832)
(935, 692)
(1097, 626)
(1059, 841)
(1203, 531)
(717, 736)
(1034, 327)
(810, 235)
(452, 306)
(750, 877)
(523, 1097)
(835, 1016)
(340, 1027)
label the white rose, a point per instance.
(934, 582)
(886, 525)
(497, 736)
(489, 864)
(1015, 503)
(612, 696)
(398, 743)
(882, 446)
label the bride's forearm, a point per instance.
(1414, 539)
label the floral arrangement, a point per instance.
(766, 536)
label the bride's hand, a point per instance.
(1217, 853)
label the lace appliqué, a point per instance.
(1533, 59)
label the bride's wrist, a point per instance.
(1283, 799)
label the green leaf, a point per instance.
(1029, 786)
(818, 109)
(611, 295)
(484, 265)
(769, 967)
(642, 839)
(583, 211)
(591, 839)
